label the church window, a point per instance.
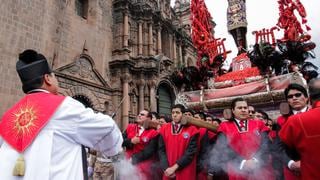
(82, 8)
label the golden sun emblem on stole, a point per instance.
(24, 120)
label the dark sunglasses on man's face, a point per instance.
(297, 95)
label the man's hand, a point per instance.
(295, 166)
(250, 165)
(135, 140)
(170, 171)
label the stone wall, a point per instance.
(54, 29)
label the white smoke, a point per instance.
(124, 170)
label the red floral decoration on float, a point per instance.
(202, 36)
(239, 76)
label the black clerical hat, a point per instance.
(32, 65)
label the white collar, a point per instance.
(176, 123)
(238, 121)
(302, 110)
(38, 90)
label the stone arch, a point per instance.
(85, 92)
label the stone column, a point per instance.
(141, 85)
(170, 47)
(140, 45)
(159, 48)
(150, 40)
(180, 53)
(125, 29)
(174, 49)
(125, 79)
(153, 100)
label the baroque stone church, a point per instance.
(113, 56)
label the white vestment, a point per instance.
(55, 154)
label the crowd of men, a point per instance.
(249, 145)
(41, 137)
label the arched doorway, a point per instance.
(165, 99)
(84, 100)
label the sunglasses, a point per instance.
(252, 112)
(297, 95)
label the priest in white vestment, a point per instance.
(51, 149)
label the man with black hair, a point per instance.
(297, 98)
(241, 149)
(178, 147)
(188, 112)
(43, 131)
(261, 115)
(251, 111)
(302, 133)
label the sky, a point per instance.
(262, 14)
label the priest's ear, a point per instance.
(51, 82)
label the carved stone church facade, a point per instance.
(114, 56)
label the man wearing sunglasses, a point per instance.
(141, 145)
(297, 98)
(302, 132)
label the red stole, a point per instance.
(250, 138)
(176, 145)
(246, 144)
(148, 134)
(21, 124)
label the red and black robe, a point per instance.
(178, 147)
(235, 145)
(143, 153)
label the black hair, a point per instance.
(294, 86)
(180, 106)
(233, 102)
(155, 114)
(216, 119)
(189, 110)
(201, 114)
(264, 114)
(149, 114)
(166, 118)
